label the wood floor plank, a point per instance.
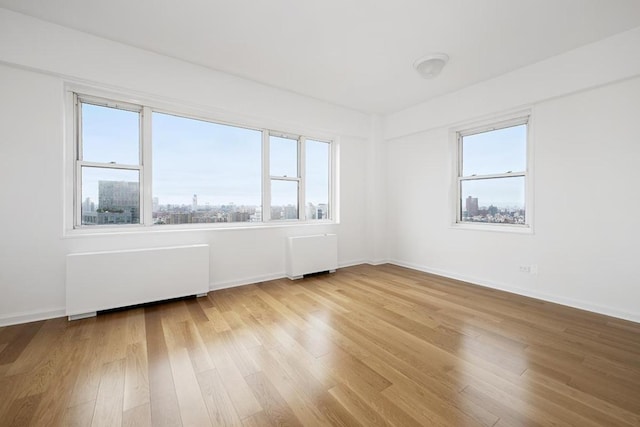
(108, 408)
(162, 392)
(22, 410)
(38, 347)
(140, 416)
(293, 396)
(219, 405)
(80, 415)
(22, 336)
(367, 345)
(136, 382)
(193, 410)
(275, 407)
(237, 388)
(357, 406)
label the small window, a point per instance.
(492, 174)
(108, 165)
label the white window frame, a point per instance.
(73, 155)
(80, 162)
(456, 135)
(268, 178)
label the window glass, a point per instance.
(110, 196)
(205, 172)
(495, 152)
(317, 179)
(187, 170)
(110, 135)
(284, 200)
(496, 200)
(283, 158)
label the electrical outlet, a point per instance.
(525, 269)
(529, 269)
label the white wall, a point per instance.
(37, 58)
(585, 241)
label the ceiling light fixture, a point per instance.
(431, 65)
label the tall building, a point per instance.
(120, 196)
(194, 203)
(88, 205)
(323, 211)
(472, 206)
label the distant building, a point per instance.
(257, 215)
(106, 217)
(194, 203)
(88, 205)
(180, 218)
(323, 211)
(120, 197)
(472, 206)
(238, 217)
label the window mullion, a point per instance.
(284, 178)
(77, 198)
(492, 176)
(109, 165)
(302, 207)
(266, 178)
(146, 193)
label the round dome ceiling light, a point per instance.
(431, 65)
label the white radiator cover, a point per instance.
(311, 254)
(105, 280)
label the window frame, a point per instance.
(487, 125)
(80, 163)
(268, 178)
(75, 94)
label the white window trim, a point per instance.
(147, 105)
(80, 162)
(487, 124)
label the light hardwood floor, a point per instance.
(364, 346)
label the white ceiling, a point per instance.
(356, 53)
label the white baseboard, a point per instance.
(216, 286)
(246, 281)
(31, 316)
(351, 263)
(570, 302)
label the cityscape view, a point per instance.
(473, 212)
(118, 203)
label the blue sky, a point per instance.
(221, 164)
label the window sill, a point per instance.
(181, 228)
(499, 228)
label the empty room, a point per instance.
(331, 213)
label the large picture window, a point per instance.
(492, 174)
(205, 172)
(135, 165)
